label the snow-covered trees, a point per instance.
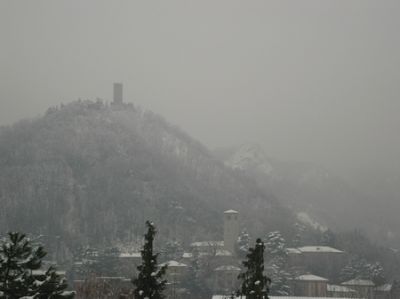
(377, 273)
(254, 283)
(149, 282)
(360, 268)
(275, 247)
(280, 279)
(243, 243)
(20, 274)
(328, 238)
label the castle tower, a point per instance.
(118, 93)
(231, 230)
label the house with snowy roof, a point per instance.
(334, 290)
(388, 291)
(364, 287)
(176, 271)
(310, 285)
(324, 261)
(226, 278)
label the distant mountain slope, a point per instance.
(91, 172)
(306, 188)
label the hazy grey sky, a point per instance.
(309, 80)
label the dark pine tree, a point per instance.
(19, 258)
(254, 283)
(149, 283)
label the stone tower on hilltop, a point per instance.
(231, 230)
(118, 93)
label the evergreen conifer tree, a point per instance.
(19, 258)
(255, 285)
(150, 283)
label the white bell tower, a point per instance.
(231, 230)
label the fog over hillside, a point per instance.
(283, 113)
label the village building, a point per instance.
(341, 291)
(224, 267)
(384, 292)
(323, 261)
(127, 263)
(364, 287)
(309, 285)
(226, 279)
(175, 271)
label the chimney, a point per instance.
(118, 93)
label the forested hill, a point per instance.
(93, 173)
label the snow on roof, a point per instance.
(110, 278)
(337, 288)
(319, 249)
(227, 268)
(385, 287)
(311, 277)
(358, 282)
(218, 252)
(223, 252)
(207, 243)
(43, 272)
(231, 212)
(173, 264)
(130, 255)
(278, 297)
(187, 255)
(293, 251)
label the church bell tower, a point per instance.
(231, 230)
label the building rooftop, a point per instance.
(218, 252)
(43, 272)
(227, 268)
(130, 255)
(387, 287)
(231, 212)
(293, 251)
(358, 282)
(173, 264)
(311, 277)
(319, 249)
(338, 288)
(187, 255)
(207, 243)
